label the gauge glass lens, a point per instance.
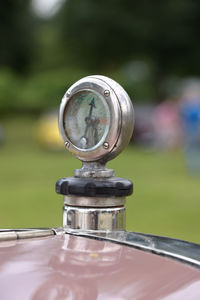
(87, 119)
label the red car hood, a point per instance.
(73, 267)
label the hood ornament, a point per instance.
(96, 121)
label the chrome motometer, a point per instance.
(96, 121)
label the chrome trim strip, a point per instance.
(176, 249)
(173, 248)
(16, 234)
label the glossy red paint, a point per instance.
(72, 267)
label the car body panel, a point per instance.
(66, 266)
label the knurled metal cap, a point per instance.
(90, 187)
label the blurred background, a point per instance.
(153, 50)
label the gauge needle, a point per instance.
(90, 123)
(88, 118)
(92, 105)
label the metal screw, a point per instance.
(105, 145)
(67, 144)
(107, 93)
(68, 93)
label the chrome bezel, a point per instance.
(116, 137)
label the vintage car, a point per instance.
(92, 256)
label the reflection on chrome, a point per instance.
(177, 249)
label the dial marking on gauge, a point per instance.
(84, 119)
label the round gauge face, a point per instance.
(86, 119)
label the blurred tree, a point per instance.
(16, 31)
(119, 38)
(105, 34)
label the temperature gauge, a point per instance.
(87, 120)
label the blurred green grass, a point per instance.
(166, 200)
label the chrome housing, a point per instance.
(122, 118)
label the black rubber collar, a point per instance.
(90, 187)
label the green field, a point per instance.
(166, 200)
